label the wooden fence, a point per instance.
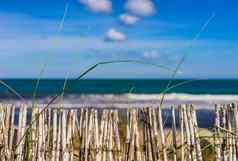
(137, 134)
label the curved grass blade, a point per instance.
(182, 83)
(61, 25)
(12, 90)
(204, 26)
(37, 85)
(63, 91)
(175, 86)
(33, 106)
(66, 8)
(88, 70)
(38, 81)
(202, 29)
(111, 62)
(182, 60)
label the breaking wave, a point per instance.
(135, 100)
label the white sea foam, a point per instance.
(137, 100)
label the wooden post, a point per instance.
(147, 137)
(217, 134)
(155, 133)
(127, 140)
(188, 139)
(181, 122)
(90, 132)
(105, 137)
(69, 134)
(137, 138)
(3, 150)
(191, 131)
(7, 130)
(85, 136)
(117, 136)
(49, 132)
(34, 133)
(21, 131)
(174, 134)
(96, 136)
(235, 140)
(152, 130)
(229, 120)
(224, 143)
(58, 152)
(40, 141)
(161, 127)
(74, 118)
(12, 131)
(110, 135)
(197, 139)
(54, 146)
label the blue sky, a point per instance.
(66, 36)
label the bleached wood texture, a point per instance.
(133, 134)
(174, 133)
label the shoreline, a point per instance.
(202, 101)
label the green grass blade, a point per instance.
(88, 70)
(37, 85)
(197, 35)
(12, 90)
(61, 26)
(63, 91)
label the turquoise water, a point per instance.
(120, 86)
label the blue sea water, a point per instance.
(120, 86)
(124, 91)
(128, 93)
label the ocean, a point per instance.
(128, 93)
(124, 92)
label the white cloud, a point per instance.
(77, 44)
(98, 5)
(151, 54)
(128, 19)
(140, 7)
(114, 35)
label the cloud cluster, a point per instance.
(140, 7)
(135, 9)
(114, 35)
(151, 54)
(128, 19)
(98, 5)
